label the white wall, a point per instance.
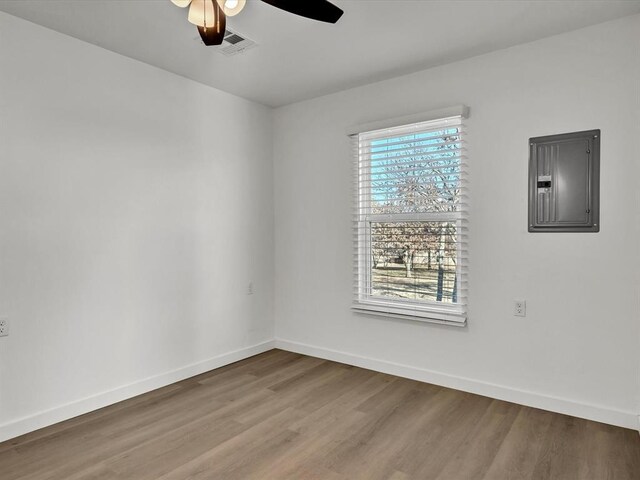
(577, 349)
(134, 213)
(135, 208)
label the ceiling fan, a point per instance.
(210, 16)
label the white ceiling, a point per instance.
(298, 58)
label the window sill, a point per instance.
(443, 318)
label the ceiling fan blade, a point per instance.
(214, 34)
(320, 10)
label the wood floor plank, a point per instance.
(475, 455)
(399, 476)
(440, 434)
(366, 452)
(309, 449)
(606, 440)
(563, 453)
(97, 441)
(233, 458)
(316, 380)
(94, 416)
(342, 407)
(522, 446)
(281, 415)
(158, 456)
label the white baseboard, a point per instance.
(554, 404)
(79, 407)
(565, 406)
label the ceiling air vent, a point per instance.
(234, 43)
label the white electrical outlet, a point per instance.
(520, 308)
(4, 327)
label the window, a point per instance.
(410, 221)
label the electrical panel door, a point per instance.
(564, 182)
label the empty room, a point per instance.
(319, 240)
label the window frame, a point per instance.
(364, 300)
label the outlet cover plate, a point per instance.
(4, 327)
(520, 308)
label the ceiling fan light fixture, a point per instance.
(214, 34)
(210, 15)
(181, 3)
(202, 13)
(232, 7)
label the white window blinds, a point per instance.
(410, 222)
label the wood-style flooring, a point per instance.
(280, 415)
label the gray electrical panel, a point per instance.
(564, 182)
